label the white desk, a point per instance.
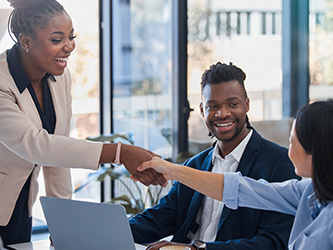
(35, 245)
(45, 245)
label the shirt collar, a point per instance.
(237, 152)
(16, 70)
(315, 205)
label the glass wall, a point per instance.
(142, 101)
(246, 33)
(321, 49)
(141, 79)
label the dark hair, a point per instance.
(314, 128)
(221, 72)
(31, 14)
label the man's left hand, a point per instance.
(158, 245)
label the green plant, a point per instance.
(134, 201)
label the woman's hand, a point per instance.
(161, 166)
(132, 156)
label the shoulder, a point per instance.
(64, 81)
(269, 160)
(6, 79)
(199, 159)
(64, 77)
(265, 146)
(4, 65)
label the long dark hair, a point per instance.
(28, 15)
(314, 128)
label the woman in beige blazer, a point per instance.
(35, 111)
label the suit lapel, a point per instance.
(191, 225)
(247, 159)
(58, 102)
(27, 104)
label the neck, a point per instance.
(28, 66)
(226, 147)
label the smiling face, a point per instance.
(224, 107)
(50, 48)
(301, 160)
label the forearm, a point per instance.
(108, 153)
(207, 183)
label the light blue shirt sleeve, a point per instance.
(282, 197)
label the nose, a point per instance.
(222, 112)
(69, 46)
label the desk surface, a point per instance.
(45, 245)
(36, 245)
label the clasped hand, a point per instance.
(132, 157)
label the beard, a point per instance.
(237, 131)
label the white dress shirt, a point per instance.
(210, 212)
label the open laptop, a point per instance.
(87, 226)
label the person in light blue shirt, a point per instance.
(310, 200)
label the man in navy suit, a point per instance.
(200, 222)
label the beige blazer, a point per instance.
(25, 146)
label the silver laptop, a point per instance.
(87, 226)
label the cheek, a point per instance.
(73, 45)
(292, 155)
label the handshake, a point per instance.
(132, 157)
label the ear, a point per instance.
(247, 104)
(201, 109)
(24, 40)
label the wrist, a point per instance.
(199, 245)
(117, 154)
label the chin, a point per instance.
(57, 73)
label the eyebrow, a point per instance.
(60, 32)
(228, 99)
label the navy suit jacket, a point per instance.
(243, 228)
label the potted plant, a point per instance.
(136, 199)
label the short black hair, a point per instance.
(221, 72)
(314, 128)
(28, 15)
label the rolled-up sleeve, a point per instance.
(231, 189)
(282, 197)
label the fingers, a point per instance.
(163, 243)
(157, 245)
(158, 178)
(145, 165)
(150, 177)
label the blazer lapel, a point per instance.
(250, 153)
(27, 104)
(192, 225)
(59, 101)
(244, 166)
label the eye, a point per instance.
(212, 107)
(71, 38)
(234, 104)
(56, 40)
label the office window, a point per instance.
(246, 33)
(141, 76)
(321, 49)
(142, 102)
(84, 66)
